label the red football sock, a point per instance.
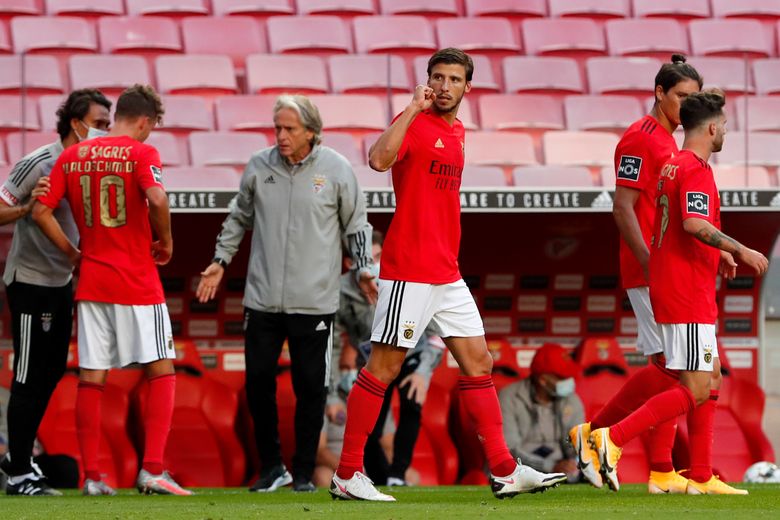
(661, 444)
(363, 406)
(157, 423)
(640, 387)
(700, 432)
(88, 400)
(481, 403)
(660, 408)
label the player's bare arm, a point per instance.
(9, 214)
(160, 217)
(383, 154)
(712, 236)
(44, 217)
(628, 224)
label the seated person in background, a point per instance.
(539, 411)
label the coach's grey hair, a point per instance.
(306, 110)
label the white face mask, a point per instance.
(374, 269)
(564, 387)
(91, 132)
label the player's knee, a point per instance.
(701, 391)
(478, 365)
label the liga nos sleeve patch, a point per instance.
(698, 203)
(629, 167)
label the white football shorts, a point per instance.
(689, 346)
(648, 340)
(111, 335)
(405, 309)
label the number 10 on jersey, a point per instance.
(112, 207)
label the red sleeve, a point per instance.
(406, 142)
(634, 164)
(149, 170)
(697, 193)
(58, 187)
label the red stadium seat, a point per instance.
(170, 153)
(635, 76)
(254, 8)
(149, 37)
(743, 177)
(762, 150)
(4, 163)
(758, 113)
(321, 35)
(15, 116)
(465, 112)
(579, 148)
(356, 114)
(245, 113)
(507, 8)
(200, 75)
(730, 38)
(356, 74)
(654, 38)
(10, 8)
(766, 74)
(594, 9)
(757, 9)
(420, 7)
(555, 76)
(62, 35)
(344, 144)
(280, 73)
(601, 113)
(368, 178)
(485, 79)
(41, 75)
(499, 149)
(85, 8)
(435, 425)
(728, 74)
(5, 40)
(225, 148)
(567, 37)
(200, 178)
(552, 177)
(341, 8)
(524, 112)
(404, 35)
(169, 8)
(186, 113)
(682, 11)
(110, 74)
(32, 141)
(234, 36)
(478, 176)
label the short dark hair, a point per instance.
(450, 56)
(670, 74)
(138, 101)
(77, 107)
(377, 237)
(700, 107)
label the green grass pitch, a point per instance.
(568, 502)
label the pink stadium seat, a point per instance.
(499, 149)
(234, 36)
(5, 40)
(523, 112)
(762, 150)
(4, 162)
(421, 7)
(279, 73)
(579, 148)
(41, 75)
(485, 35)
(368, 178)
(683, 11)
(758, 9)
(169, 8)
(170, 153)
(246, 113)
(62, 35)
(656, 38)
(5, 171)
(32, 141)
(200, 178)
(758, 114)
(225, 148)
(568, 37)
(145, 36)
(47, 108)
(725, 73)
(601, 113)
(635, 77)
(354, 113)
(397, 34)
(254, 8)
(528, 74)
(766, 74)
(485, 79)
(323, 35)
(608, 177)
(465, 112)
(743, 176)
(186, 113)
(192, 74)
(341, 8)
(730, 38)
(344, 144)
(478, 176)
(356, 74)
(85, 8)
(110, 74)
(10, 8)
(594, 9)
(15, 116)
(507, 8)
(552, 177)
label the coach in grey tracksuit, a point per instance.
(301, 199)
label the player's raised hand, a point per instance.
(727, 267)
(754, 260)
(423, 97)
(162, 252)
(209, 281)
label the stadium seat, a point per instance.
(280, 73)
(681, 11)
(552, 177)
(110, 74)
(499, 149)
(368, 178)
(593, 9)
(602, 113)
(510, 9)
(225, 148)
(523, 112)
(756, 9)
(607, 176)
(207, 76)
(478, 176)
(148, 37)
(420, 7)
(11, 8)
(530, 75)
(654, 38)
(579, 148)
(404, 35)
(254, 8)
(15, 116)
(85, 8)
(435, 426)
(635, 76)
(758, 113)
(368, 74)
(200, 178)
(5, 171)
(41, 75)
(725, 73)
(186, 113)
(730, 38)
(743, 177)
(344, 144)
(233, 36)
(170, 152)
(169, 8)
(246, 113)
(5, 40)
(32, 141)
(340, 8)
(465, 112)
(356, 114)
(566, 37)
(762, 149)
(485, 79)
(321, 35)
(61, 36)
(766, 74)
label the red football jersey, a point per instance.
(105, 180)
(683, 270)
(424, 236)
(639, 156)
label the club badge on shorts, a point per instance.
(409, 330)
(46, 321)
(708, 355)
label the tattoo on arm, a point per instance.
(714, 238)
